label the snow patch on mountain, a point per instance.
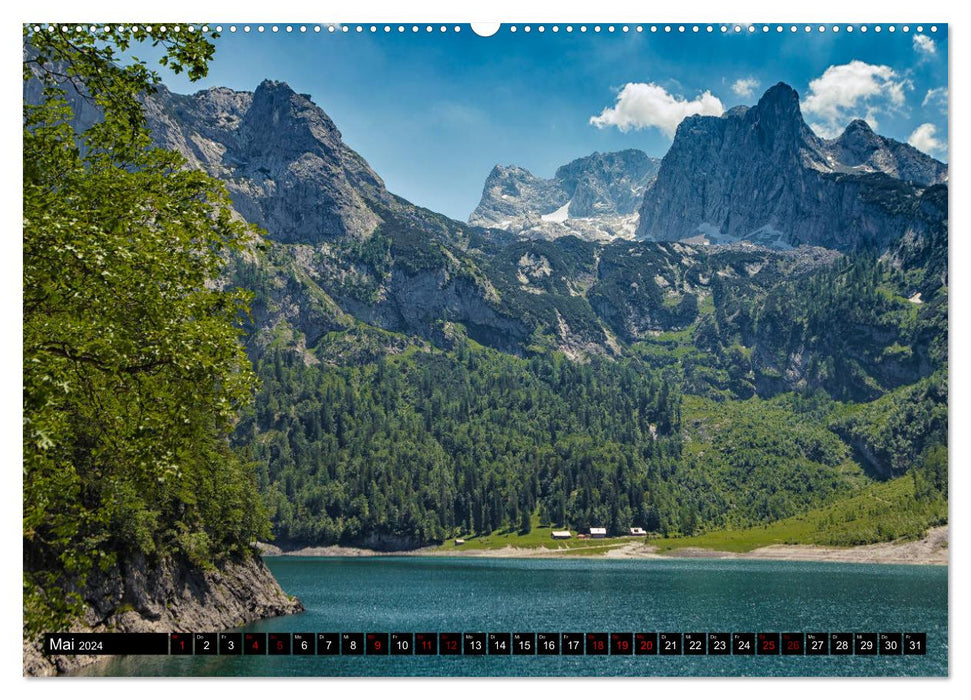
(558, 216)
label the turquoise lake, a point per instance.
(431, 594)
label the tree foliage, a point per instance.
(133, 372)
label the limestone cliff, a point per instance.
(760, 174)
(594, 198)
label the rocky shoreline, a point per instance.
(169, 597)
(930, 550)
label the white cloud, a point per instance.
(854, 90)
(745, 87)
(925, 140)
(643, 105)
(923, 44)
(936, 98)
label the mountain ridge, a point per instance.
(761, 174)
(342, 250)
(594, 197)
(273, 148)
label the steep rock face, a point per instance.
(595, 197)
(644, 289)
(419, 302)
(288, 171)
(607, 183)
(859, 149)
(281, 156)
(761, 174)
(170, 596)
(511, 192)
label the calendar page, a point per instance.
(543, 349)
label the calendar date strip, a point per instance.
(489, 643)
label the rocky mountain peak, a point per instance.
(858, 127)
(512, 192)
(764, 176)
(858, 140)
(595, 196)
(282, 158)
(778, 118)
(499, 171)
(512, 181)
(859, 149)
(287, 123)
(780, 99)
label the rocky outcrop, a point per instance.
(642, 290)
(594, 198)
(607, 183)
(512, 192)
(171, 596)
(417, 304)
(858, 149)
(761, 174)
(280, 155)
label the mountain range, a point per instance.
(343, 249)
(758, 174)
(595, 198)
(756, 262)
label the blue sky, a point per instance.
(434, 112)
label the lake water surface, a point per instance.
(430, 594)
